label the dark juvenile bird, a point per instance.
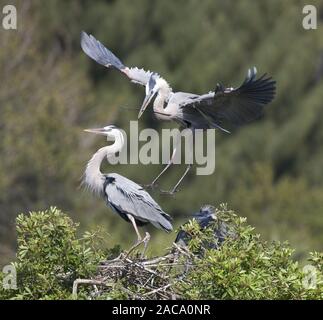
(206, 217)
(125, 197)
(216, 109)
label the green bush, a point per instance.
(50, 257)
(246, 267)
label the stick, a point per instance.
(85, 281)
(156, 290)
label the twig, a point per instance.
(182, 250)
(159, 259)
(86, 281)
(157, 290)
(150, 276)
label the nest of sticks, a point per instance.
(134, 277)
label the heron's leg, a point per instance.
(133, 221)
(140, 240)
(174, 190)
(181, 179)
(185, 173)
(170, 162)
(145, 240)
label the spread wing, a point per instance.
(99, 53)
(235, 106)
(127, 197)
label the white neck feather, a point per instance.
(93, 177)
(164, 88)
(163, 95)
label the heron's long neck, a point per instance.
(160, 101)
(93, 176)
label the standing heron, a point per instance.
(216, 109)
(122, 195)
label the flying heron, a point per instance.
(216, 109)
(205, 218)
(125, 197)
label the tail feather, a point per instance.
(165, 222)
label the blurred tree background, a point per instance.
(269, 171)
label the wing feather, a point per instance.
(99, 53)
(235, 106)
(129, 198)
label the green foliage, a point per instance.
(269, 171)
(50, 256)
(246, 267)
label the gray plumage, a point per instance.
(99, 53)
(206, 217)
(233, 106)
(228, 105)
(125, 197)
(219, 109)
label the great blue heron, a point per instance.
(205, 218)
(124, 196)
(234, 106)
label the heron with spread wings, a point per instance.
(125, 197)
(216, 109)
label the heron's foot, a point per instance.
(169, 192)
(150, 186)
(121, 256)
(145, 241)
(136, 245)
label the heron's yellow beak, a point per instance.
(145, 104)
(101, 131)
